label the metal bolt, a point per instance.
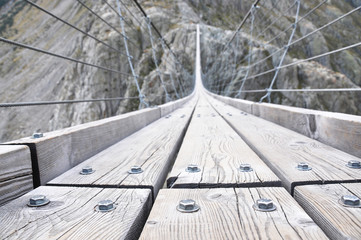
(350, 201)
(229, 114)
(183, 116)
(105, 206)
(302, 166)
(37, 135)
(135, 170)
(87, 170)
(354, 164)
(168, 116)
(38, 200)
(264, 205)
(187, 206)
(245, 168)
(192, 168)
(198, 115)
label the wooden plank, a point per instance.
(282, 150)
(71, 214)
(341, 131)
(218, 151)
(15, 161)
(15, 188)
(15, 172)
(321, 203)
(227, 213)
(153, 148)
(58, 151)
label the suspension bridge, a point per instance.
(200, 166)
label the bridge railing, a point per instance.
(341, 131)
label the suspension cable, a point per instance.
(250, 56)
(59, 56)
(135, 77)
(103, 20)
(303, 90)
(74, 27)
(171, 77)
(268, 95)
(313, 32)
(23, 104)
(115, 11)
(156, 62)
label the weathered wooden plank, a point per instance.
(227, 213)
(15, 172)
(15, 187)
(153, 148)
(71, 214)
(341, 131)
(218, 151)
(321, 203)
(282, 149)
(15, 161)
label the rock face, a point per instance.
(27, 76)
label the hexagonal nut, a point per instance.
(86, 170)
(37, 135)
(350, 200)
(354, 164)
(192, 168)
(135, 170)
(38, 200)
(245, 167)
(187, 205)
(265, 205)
(105, 206)
(302, 166)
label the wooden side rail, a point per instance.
(58, 151)
(341, 131)
(15, 172)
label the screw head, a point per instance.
(37, 135)
(86, 170)
(187, 206)
(192, 168)
(354, 164)
(38, 200)
(135, 170)
(245, 168)
(264, 205)
(350, 201)
(302, 166)
(105, 206)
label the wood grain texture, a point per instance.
(15, 187)
(71, 214)
(218, 151)
(227, 213)
(153, 148)
(321, 203)
(61, 150)
(15, 161)
(15, 172)
(282, 149)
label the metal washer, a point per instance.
(195, 209)
(47, 201)
(255, 207)
(345, 205)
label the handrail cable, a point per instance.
(59, 56)
(73, 26)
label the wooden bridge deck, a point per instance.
(216, 139)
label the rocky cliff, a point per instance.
(27, 76)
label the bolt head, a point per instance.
(87, 170)
(354, 164)
(193, 168)
(105, 206)
(187, 205)
(245, 167)
(350, 201)
(38, 200)
(135, 170)
(37, 135)
(302, 166)
(265, 205)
